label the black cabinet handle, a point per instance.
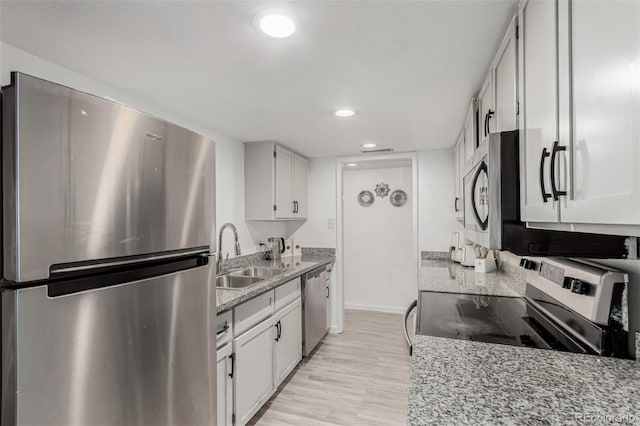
(556, 148)
(455, 204)
(487, 117)
(277, 331)
(484, 130)
(224, 329)
(545, 194)
(327, 292)
(233, 364)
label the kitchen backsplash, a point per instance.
(434, 255)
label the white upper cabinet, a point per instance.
(471, 130)
(580, 99)
(505, 82)
(603, 158)
(486, 116)
(300, 166)
(275, 183)
(285, 206)
(539, 109)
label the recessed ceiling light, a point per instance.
(276, 23)
(345, 112)
(369, 145)
(351, 164)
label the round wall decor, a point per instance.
(398, 198)
(366, 198)
(382, 190)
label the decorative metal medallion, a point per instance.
(398, 198)
(366, 198)
(382, 190)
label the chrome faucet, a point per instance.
(237, 244)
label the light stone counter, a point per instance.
(463, 382)
(447, 277)
(295, 267)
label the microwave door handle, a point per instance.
(483, 224)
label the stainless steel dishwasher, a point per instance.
(315, 302)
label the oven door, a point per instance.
(476, 206)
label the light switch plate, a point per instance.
(331, 223)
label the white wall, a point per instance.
(437, 217)
(379, 257)
(229, 153)
(315, 232)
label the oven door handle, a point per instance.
(411, 307)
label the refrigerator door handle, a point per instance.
(411, 307)
(61, 269)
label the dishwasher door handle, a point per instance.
(411, 307)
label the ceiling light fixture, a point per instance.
(276, 23)
(345, 112)
(351, 165)
(368, 145)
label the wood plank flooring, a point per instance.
(360, 377)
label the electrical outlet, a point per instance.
(331, 223)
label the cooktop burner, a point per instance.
(491, 319)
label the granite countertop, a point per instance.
(467, 383)
(449, 277)
(295, 267)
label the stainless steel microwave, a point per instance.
(492, 209)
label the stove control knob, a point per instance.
(566, 283)
(579, 287)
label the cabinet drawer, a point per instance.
(224, 326)
(252, 312)
(287, 293)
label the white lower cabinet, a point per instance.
(267, 347)
(224, 375)
(254, 364)
(288, 340)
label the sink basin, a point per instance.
(235, 282)
(259, 272)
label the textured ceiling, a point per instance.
(409, 68)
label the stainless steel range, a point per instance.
(569, 305)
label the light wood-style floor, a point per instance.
(360, 377)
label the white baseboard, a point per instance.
(376, 308)
(334, 330)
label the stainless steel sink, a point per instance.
(236, 282)
(257, 271)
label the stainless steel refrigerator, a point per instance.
(108, 291)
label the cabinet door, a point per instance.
(289, 340)
(458, 168)
(284, 184)
(485, 106)
(604, 151)
(300, 187)
(470, 131)
(225, 386)
(253, 378)
(505, 71)
(539, 112)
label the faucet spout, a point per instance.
(237, 244)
